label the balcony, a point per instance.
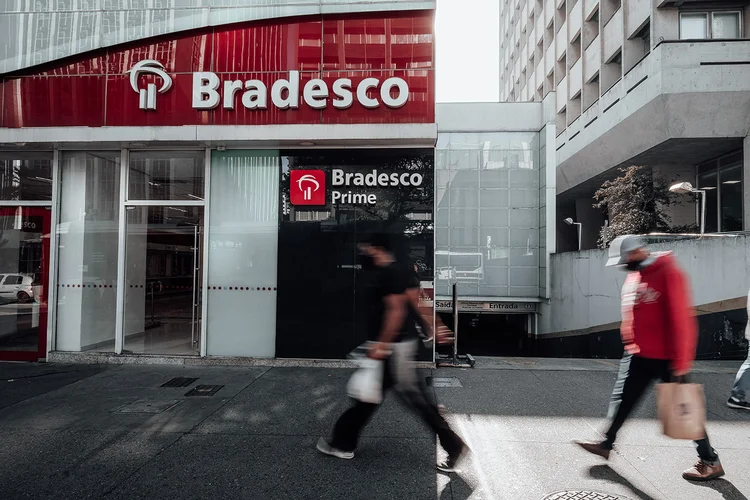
(561, 41)
(561, 94)
(589, 6)
(613, 36)
(593, 60)
(539, 73)
(549, 12)
(549, 60)
(574, 21)
(539, 29)
(575, 77)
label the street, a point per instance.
(72, 431)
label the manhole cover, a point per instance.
(204, 390)
(443, 382)
(148, 406)
(179, 382)
(582, 495)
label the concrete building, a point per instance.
(637, 82)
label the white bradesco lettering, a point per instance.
(291, 86)
(285, 92)
(205, 95)
(314, 90)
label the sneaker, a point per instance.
(327, 449)
(736, 403)
(451, 465)
(596, 449)
(701, 471)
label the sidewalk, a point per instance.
(74, 432)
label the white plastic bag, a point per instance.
(366, 384)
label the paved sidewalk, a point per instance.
(70, 432)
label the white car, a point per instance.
(18, 287)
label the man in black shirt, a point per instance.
(394, 340)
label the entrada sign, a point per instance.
(496, 307)
(209, 91)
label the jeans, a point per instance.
(640, 374)
(741, 387)
(400, 375)
(622, 376)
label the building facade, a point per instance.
(637, 82)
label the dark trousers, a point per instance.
(638, 377)
(400, 375)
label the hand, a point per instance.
(680, 373)
(632, 349)
(444, 335)
(378, 350)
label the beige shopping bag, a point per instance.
(682, 410)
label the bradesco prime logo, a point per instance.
(209, 91)
(307, 187)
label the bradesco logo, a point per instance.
(209, 91)
(307, 187)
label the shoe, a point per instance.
(451, 465)
(737, 404)
(703, 472)
(327, 449)
(596, 449)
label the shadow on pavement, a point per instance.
(727, 489)
(456, 489)
(607, 473)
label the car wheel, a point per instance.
(23, 297)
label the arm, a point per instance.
(626, 327)
(684, 327)
(394, 314)
(423, 313)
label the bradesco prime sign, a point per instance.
(308, 187)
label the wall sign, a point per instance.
(307, 187)
(316, 70)
(494, 307)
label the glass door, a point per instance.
(24, 276)
(163, 280)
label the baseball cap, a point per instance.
(621, 247)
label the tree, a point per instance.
(636, 203)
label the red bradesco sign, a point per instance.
(328, 69)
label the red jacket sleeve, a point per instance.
(684, 328)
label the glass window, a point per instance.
(707, 180)
(13, 280)
(87, 248)
(168, 175)
(730, 175)
(725, 25)
(25, 176)
(693, 26)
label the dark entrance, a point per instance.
(488, 334)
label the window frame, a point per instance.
(715, 165)
(709, 16)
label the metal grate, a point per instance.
(179, 382)
(582, 495)
(443, 382)
(204, 390)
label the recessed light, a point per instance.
(731, 182)
(307, 143)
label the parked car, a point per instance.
(18, 287)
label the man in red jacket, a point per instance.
(660, 333)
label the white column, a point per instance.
(746, 184)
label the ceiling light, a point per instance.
(307, 143)
(731, 182)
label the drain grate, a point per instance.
(443, 382)
(148, 406)
(179, 382)
(204, 390)
(582, 495)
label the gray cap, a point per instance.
(621, 247)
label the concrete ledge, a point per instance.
(97, 358)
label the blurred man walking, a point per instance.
(395, 337)
(660, 335)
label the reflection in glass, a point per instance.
(24, 264)
(731, 196)
(26, 177)
(169, 175)
(707, 181)
(87, 246)
(163, 280)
